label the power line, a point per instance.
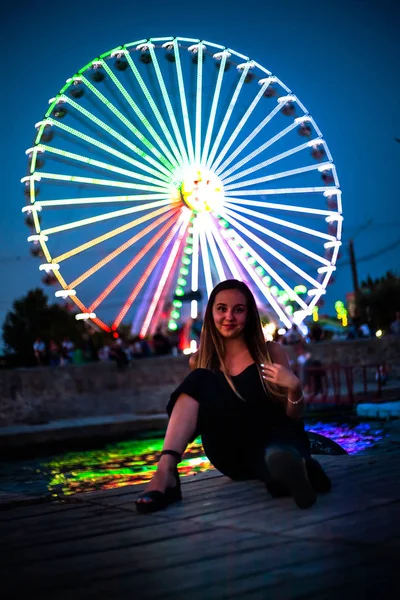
(373, 255)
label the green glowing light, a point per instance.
(172, 325)
(177, 303)
(184, 271)
(182, 281)
(175, 314)
(179, 292)
(300, 289)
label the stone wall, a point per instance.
(39, 395)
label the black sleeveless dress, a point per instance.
(235, 432)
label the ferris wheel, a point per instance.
(169, 164)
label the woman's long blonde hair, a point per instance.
(211, 352)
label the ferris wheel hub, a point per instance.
(200, 189)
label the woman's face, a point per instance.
(230, 313)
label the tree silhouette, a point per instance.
(380, 298)
(32, 317)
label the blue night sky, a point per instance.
(339, 57)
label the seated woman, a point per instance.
(246, 403)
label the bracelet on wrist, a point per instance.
(296, 401)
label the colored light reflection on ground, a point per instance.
(132, 462)
(353, 438)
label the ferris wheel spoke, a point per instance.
(99, 218)
(178, 154)
(113, 233)
(276, 236)
(241, 124)
(250, 137)
(266, 266)
(227, 116)
(93, 142)
(246, 159)
(213, 248)
(279, 191)
(101, 200)
(168, 104)
(127, 123)
(289, 173)
(100, 182)
(111, 131)
(132, 262)
(205, 260)
(225, 250)
(283, 222)
(266, 163)
(270, 250)
(148, 271)
(182, 95)
(199, 92)
(184, 222)
(195, 256)
(233, 202)
(139, 114)
(91, 162)
(214, 105)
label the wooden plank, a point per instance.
(126, 536)
(95, 525)
(16, 513)
(378, 524)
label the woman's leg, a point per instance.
(181, 429)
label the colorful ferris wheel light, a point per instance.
(85, 316)
(65, 293)
(193, 139)
(49, 267)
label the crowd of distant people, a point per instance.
(63, 353)
(121, 351)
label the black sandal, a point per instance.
(153, 501)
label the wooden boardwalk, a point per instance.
(225, 540)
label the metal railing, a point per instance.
(337, 384)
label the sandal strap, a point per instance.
(173, 453)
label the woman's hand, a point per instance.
(281, 376)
